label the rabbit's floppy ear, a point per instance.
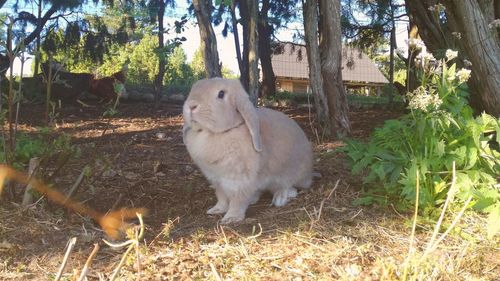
(249, 114)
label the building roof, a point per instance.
(356, 66)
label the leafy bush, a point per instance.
(363, 101)
(439, 131)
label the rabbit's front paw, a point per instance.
(281, 197)
(218, 209)
(232, 218)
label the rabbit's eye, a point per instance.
(221, 94)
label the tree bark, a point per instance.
(236, 35)
(268, 86)
(391, 62)
(245, 20)
(161, 58)
(38, 39)
(411, 76)
(310, 10)
(479, 43)
(330, 46)
(482, 46)
(203, 11)
(253, 51)
(429, 27)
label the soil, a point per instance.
(137, 159)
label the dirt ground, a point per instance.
(137, 159)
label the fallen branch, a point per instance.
(33, 167)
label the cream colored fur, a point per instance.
(242, 150)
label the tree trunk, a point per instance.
(37, 47)
(411, 76)
(310, 10)
(268, 86)
(478, 43)
(203, 11)
(482, 46)
(391, 61)
(234, 23)
(161, 57)
(245, 24)
(428, 24)
(330, 46)
(253, 51)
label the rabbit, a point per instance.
(243, 151)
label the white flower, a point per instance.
(463, 75)
(426, 56)
(457, 35)
(425, 59)
(415, 44)
(494, 24)
(450, 54)
(423, 100)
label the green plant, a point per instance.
(422, 145)
(40, 145)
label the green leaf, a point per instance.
(367, 200)
(483, 204)
(440, 148)
(471, 158)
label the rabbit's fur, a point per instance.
(242, 150)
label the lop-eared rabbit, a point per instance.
(242, 150)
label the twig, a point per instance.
(445, 206)
(452, 225)
(70, 245)
(132, 244)
(86, 267)
(138, 256)
(414, 226)
(215, 273)
(120, 196)
(76, 184)
(119, 266)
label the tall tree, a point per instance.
(26, 18)
(253, 51)
(203, 11)
(472, 26)
(245, 28)
(311, 18)
(272, 16)
(330, 45)
(39, 5)
(162, 60)
(268, 85)
(325, 68)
